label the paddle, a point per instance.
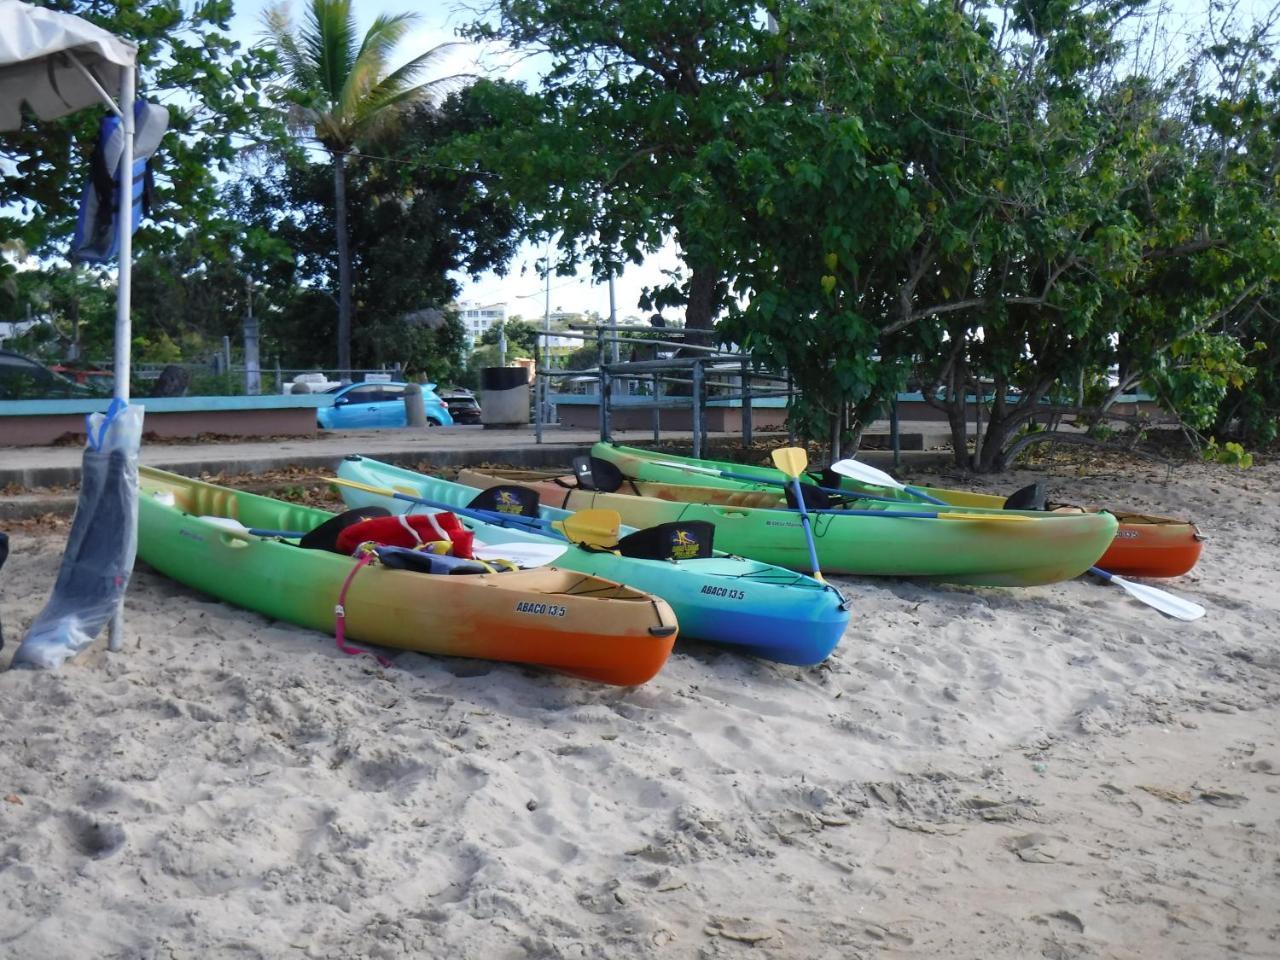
(792, 461)
(1162, 600)
(747, 478)
(535, 524)
(520, 553)
(950, 514)
(856, 470)
(594, 526)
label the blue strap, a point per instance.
(113, 411)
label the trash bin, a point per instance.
(504, 393)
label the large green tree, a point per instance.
(414, 224)
(983, 196)
(612, 152)
(213, 89)
(344, 92)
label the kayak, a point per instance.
(995, 550)
(749, 606)
(1144, 545)
(547, 616)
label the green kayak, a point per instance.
(997, 548)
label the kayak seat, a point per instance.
(814, 499)
(670, 541)
(507, 498)
(592, 473)
(1030, 497)
(325, 536)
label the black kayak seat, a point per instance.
(1030, 497)
(507, 498)
(325, 536)
(592, 473)
(691, 540)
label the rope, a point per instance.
(340, 611)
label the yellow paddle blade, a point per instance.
(596, 528)
(790, 460)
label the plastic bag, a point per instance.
(100, 549)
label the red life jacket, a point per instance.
(408, 531)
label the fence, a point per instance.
(726, 373)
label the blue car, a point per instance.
(374, 405)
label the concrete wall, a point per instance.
(38, 422)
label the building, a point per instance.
(480, 318)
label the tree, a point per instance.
(413, 222)
(212, 88)
(614, 150)
(521, 337)
(342, 89)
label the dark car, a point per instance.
(463, 406)
(23, 378)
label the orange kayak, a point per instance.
(1144, 545)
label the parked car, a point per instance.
(24, 378)
(463, 405)
(374, 405)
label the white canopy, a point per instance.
(47, 59)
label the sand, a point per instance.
(1056, 771)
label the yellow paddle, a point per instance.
(792, 461)
(596, 528)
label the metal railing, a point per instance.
(728, 373)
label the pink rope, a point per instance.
(340, 614)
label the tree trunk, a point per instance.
(700, 313)
(344, 266)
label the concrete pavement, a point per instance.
(27, 473)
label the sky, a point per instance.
(523, 289)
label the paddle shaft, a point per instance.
(766, 481)
(484, 516)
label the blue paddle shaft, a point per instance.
(808, 530)
(853, 494)
(487, 516)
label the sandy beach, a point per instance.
(1053, 772)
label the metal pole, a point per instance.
(697, 409)
(791, 425)
(538, 398)
(124, 288)
(252, 365)
(746, 403)
(124, 281)
(604, 386)
(613, 320)
(894, 436)
(657, 411)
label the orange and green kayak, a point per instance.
(1143, 546)
(873, 539)
(561, 619)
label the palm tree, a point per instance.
(340, 89)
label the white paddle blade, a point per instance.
(1162, 600)
(520, 553)
(857, 470)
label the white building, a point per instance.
(479, 318)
